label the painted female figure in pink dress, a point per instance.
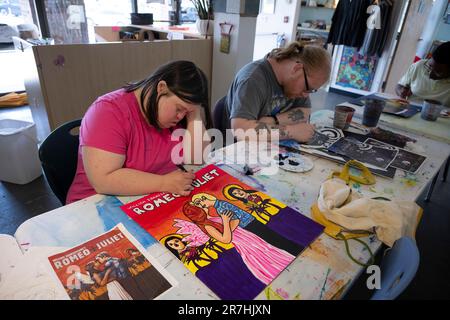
(263, 260)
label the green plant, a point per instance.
(203, 8)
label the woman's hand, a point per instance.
(226, 216)
(178, 182)
(195, 113)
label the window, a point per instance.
(13, 12)
(107, 13)
(161, 10)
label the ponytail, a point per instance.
(314, 58)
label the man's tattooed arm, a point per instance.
(283, 130)
(294, 116)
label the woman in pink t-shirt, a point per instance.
(126, 141)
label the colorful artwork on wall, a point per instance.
(356, 71)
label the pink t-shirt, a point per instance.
(115, 123)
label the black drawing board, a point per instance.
(366, 153)
(405, 160)
(323, 152)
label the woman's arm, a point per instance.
(104, 281)
(227, 235)
(193, 142)
(234, 224)
(106, 174)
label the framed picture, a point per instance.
(268, 6)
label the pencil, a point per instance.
(180, 166)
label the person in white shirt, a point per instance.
(428, 78)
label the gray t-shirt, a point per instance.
(256, 93)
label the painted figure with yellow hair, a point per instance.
(209, 203)
(264, 260)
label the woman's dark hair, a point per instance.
(173, 250)
(90, 268)
(184, 79)
(230, 193)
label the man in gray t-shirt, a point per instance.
(272, 93)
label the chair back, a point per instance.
(398, 267)
(59, 156)
(219, 113)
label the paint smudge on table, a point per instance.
(409, 179)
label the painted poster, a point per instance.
(110, 267)
(356, 71)
(233, 238)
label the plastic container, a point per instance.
(19, 158)
(430, 110)
(342, 117)
(372, 112)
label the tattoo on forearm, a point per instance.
(284, 133)
(296, 115)
(282, 129)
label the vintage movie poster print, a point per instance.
(109, 267)
(234, 239)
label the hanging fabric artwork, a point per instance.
(355, 70)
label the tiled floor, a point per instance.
(21, 202)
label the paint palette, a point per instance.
(293, 162)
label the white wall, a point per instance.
(432, 27)
(269, 25)
(225, 66)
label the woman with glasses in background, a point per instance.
(272, 93)
(428, 78)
